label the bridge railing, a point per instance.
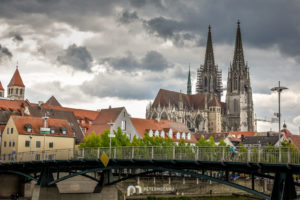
(254, 155)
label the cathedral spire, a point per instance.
(238, 58)
(189, 83)
(209, 54)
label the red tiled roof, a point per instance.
(12, 105)
(240, 133)
(144, 125)
(53, 101)
(16, 80)
(1, 87)
(37, 123)
(214, 102)
(104, 117)
(286, 132)
(196, 101)
(295, 139)
(79, 113)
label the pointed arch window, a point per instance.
(235, 83)
(235, 105)
(205, 81)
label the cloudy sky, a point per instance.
(92, 54)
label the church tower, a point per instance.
(1, 90)
(239, 92)
(209, 78)
(16, 87)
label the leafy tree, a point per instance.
(92, 140)
(222, 143)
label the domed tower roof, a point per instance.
(16, 80)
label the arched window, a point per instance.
(162, 134)
(156, 133)
(189, 136)
(198, 121)
(235, 83)
(178, 135)
(150, 133)
(183, 135)
(205, 81)
(154, 116)
(235, 105)
(170, 133)
(164, 116)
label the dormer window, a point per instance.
(63, 130)
(82, 121)
(189, 136)
(162, 134)
(170, 133)
(28, 128)
(183, 135)
(156, 133)
(52, 129)
(178, 135)
(150, 133)
(90, 122)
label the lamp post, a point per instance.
(279, 89)
(110, 135)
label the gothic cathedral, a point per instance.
(204, 111)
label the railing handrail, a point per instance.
(204, 153)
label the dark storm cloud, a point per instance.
(5, 53)
(127, 17)
(16, 37)
(152, 61)
(77, 57)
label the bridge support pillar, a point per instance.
(106, 178)
(284, 187)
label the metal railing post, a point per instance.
(197, 153)
(132, 152)
(259, 150)
(223, 153)
(98, 152)
(152, 153)
(82, 152)
(174, 152)
(289, 155)
(115, 152)
(249, 154)
(279, 152)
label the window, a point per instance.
(235, 105)
(189, 136)
(37, 157)
(156, 133)
(9, 144)
(177, 135)
(183, 136)
(21, 91)
(27, 143)
(4, 143)
(150, 133)
(123, 125)
(52, 129)
(235, 83)
(162, 134)
(12, 130)
(63, 130)
(13, 143)
(28, 128)
(50, 157)
(7, 130)
(90, 122)
(17, 91)
(38, 144)
(50, 144)
(0, 94)
(82, 121)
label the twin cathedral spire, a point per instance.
(239, 103)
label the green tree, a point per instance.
(93, 140)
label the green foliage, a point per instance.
(92, 140)
(222, 143)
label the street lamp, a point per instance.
(111, 134)
(279, 89)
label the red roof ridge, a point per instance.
(16, 80)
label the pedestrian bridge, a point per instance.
(281, 164)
